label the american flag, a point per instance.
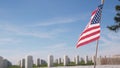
(92, 30)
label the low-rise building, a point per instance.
(114, 60)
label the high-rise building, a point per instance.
(22, 64)
(77, 60)
(29, 62)
(66, 60)
(50, 60)
(1, 62)
(38, 62)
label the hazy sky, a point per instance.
(43, 27)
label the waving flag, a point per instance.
(92, 30)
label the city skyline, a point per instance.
(44, 27)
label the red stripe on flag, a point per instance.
(94, 12)
(89, 29)
(86, 42)
(87, 36)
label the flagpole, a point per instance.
(102, 1)
(95, 58)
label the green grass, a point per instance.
(14, 66)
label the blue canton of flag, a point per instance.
(97, 16)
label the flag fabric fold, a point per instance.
(92, 30)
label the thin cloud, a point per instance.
(60, 20)
(26, 31)
(56, 21)
(114, 36)
(6, 40)
(9, 41)
(110, 43)
(57, 46)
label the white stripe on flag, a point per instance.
(89, 32)
(87, 39)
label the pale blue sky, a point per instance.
(43, 27)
